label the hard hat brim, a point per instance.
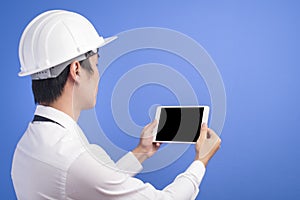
(106, 41)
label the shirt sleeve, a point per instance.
(129, 164)
(90, 178)
(190, 180)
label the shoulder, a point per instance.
(51, 143)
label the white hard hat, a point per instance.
(53, 40)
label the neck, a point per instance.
(66, 104)
(66, 108)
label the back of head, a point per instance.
(49, 43)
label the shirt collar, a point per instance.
(56, 115)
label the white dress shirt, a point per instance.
(56, 161)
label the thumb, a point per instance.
(203, 132)
(148, 130)
(151, 125)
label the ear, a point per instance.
(75, 70)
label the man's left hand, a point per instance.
(146, 148)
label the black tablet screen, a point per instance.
(179, 124)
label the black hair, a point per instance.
(46, 91)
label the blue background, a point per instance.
(255, 45)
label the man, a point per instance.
(53, 159)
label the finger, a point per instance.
(213, 136)
(153, 124)
(147, 125)
(148, 130)
(156, 145)
(150, 125)
(216, 146)
(209, 133)
(203, 132)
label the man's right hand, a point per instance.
(207, 144)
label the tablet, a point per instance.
(179, 124)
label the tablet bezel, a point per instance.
(157, 117)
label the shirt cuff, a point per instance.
(197, 170)
(129, 164)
